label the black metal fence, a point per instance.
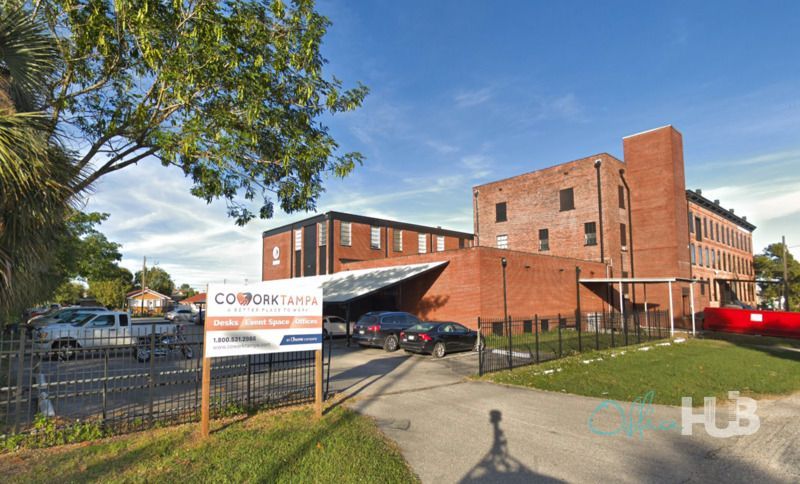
(506, 344)
(122, 382)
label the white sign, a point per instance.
(267, 317)
(756, 317)
(276, 256)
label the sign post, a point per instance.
(268, 317)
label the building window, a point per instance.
(702, 287)
(323, 234)
(397, 240)
(698, 229)
(691, 246)
(502, 241)
(713, 259)
(298, 240)
(544, 239)
(375, 237)
(623, 236)
(344, 234)
(717, 227)
(699, 255)
(566, 199)
(500, 212)
(590, 233)
(422, 240)
(691, 222)
(440, 243)
(708, 262)
(621, 197)
(705, 226)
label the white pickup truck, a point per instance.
(110, 328)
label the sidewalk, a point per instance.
(453, 430)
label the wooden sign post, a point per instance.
(268, 317)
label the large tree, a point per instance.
(37, 176)
(156, 279)
(769, 267)
(231, 92)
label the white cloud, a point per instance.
(470, 98)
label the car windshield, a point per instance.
(422, 327)
(81, 318)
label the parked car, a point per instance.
(438, 338)
(109, 328)
(180, 315)
(62, 315)
(382, 329)
(334, 326)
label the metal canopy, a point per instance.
(641, 280)
(344, 287)
(653, 280)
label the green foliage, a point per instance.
(769, 267)
(284, 446)
(69, 293)
(231, 92)
(187, 290)
(156, 279)
(109, 293)
(38, 178)
(47, 433)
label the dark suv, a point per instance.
(382, 328)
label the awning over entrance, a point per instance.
(343, 287)
(669, 281)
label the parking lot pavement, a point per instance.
(455, 430)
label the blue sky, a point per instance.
(468, 92)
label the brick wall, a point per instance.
(533, 203)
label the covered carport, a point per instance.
(342, 290)
(645, 281)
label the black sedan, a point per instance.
(438, 338)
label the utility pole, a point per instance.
(144, 281)
(785, 274)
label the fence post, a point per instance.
(578, 308)
(105, 384)
(560, 353)
(536, 327)
(636, 320)
(269, 379)
(480, 349)
(247, 398)
(597, 332)
(20, 376)
(611, 318)
(152, 370)
(510, 344)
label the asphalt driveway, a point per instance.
(451, 429)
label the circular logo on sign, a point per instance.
(276, 253)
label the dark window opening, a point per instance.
(566, 199)
(544, 239)
(500, 212)
(623, 235)
(698, 233)
(590, 233)
(621, 197)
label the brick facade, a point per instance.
(330, 257)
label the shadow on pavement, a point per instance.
(498, 465)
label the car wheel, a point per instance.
(439, 350)
(390, 344)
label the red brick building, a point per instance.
(325, 243)
(561, 229)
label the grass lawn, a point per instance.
(286, 446)
(755, 366)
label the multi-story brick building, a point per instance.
(597, 218)
(325, 243)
